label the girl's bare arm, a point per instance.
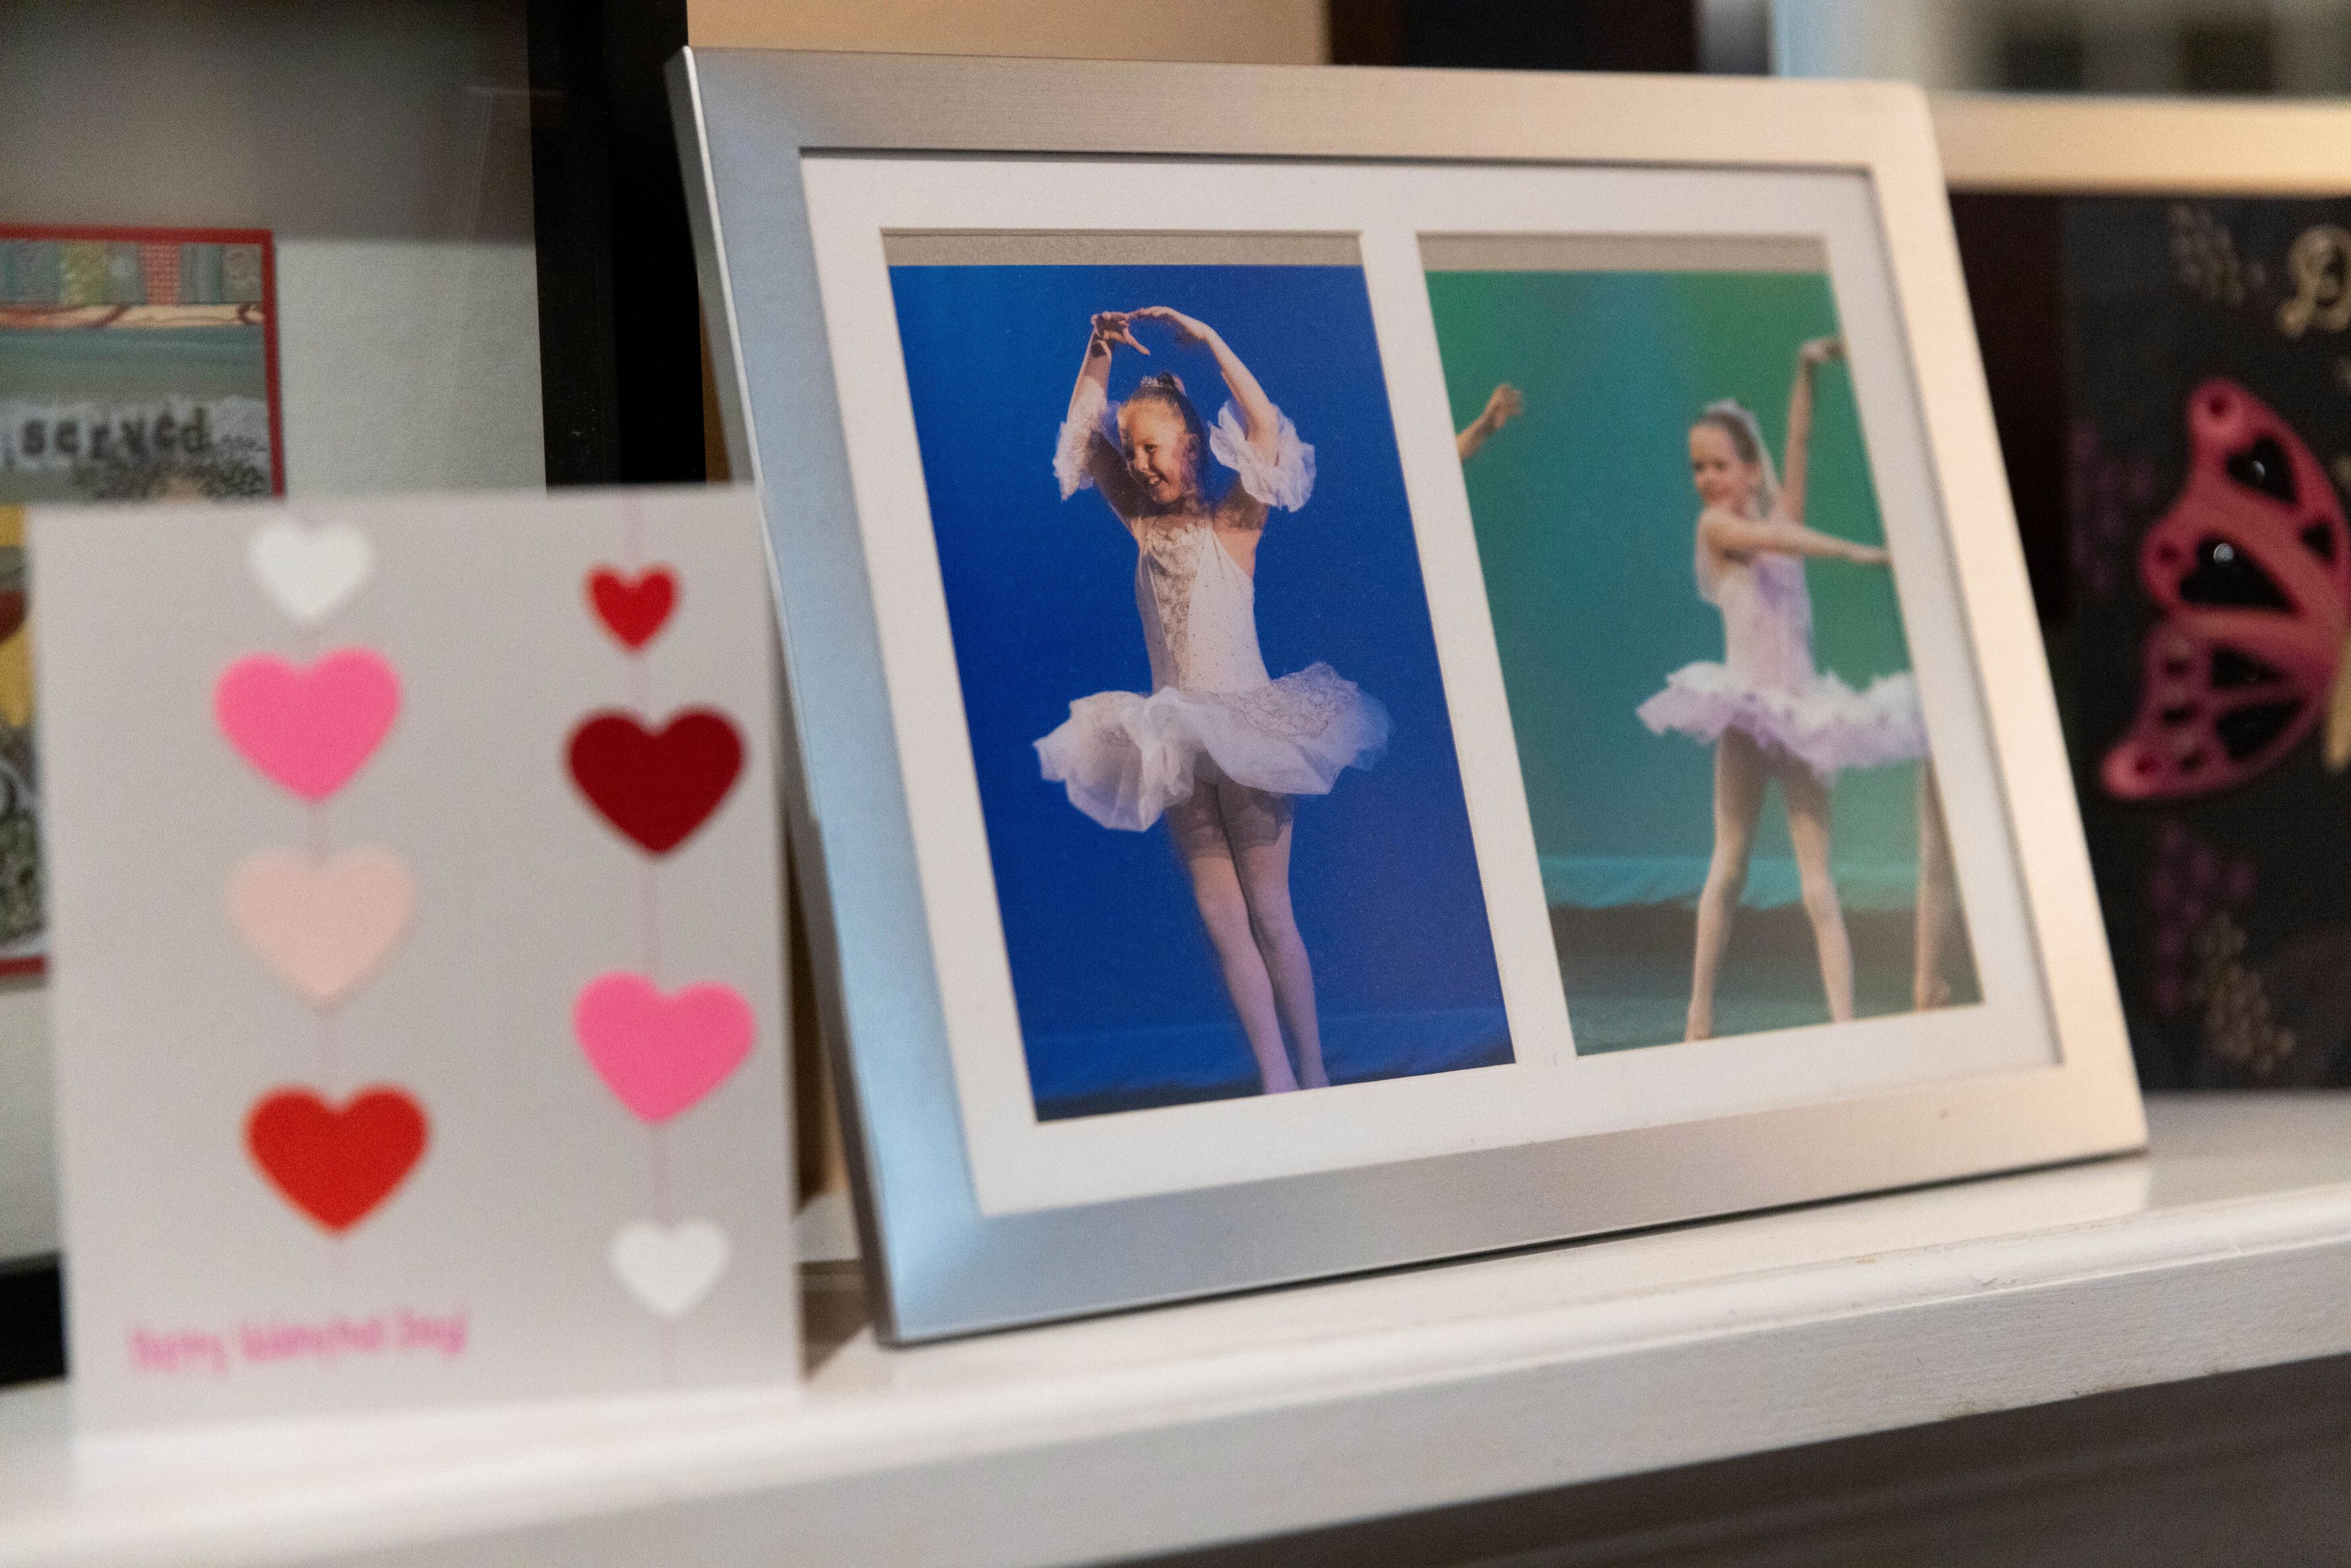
(1729, 534)
(1104, 463)
(1798, 466)
(1260, 421)
(1502, 405)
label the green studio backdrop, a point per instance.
(1585, 520)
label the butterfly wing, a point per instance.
(2251, 573)
(2223, 696)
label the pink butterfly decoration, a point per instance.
(2251, 574)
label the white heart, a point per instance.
(669, 1269)
(310, 572)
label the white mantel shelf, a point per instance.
(2228, 1248)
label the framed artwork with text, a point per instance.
(135, 364)
(2181, 492)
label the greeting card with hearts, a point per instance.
(416, 953)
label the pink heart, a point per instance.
(322, 929)
(661, 1054)
(308, 729)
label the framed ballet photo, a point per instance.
(1385, 665)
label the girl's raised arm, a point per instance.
(1784, 531)
(1808, 360)
(1251, 437)
(1503, 404)
(1086, 452)
(1260, 421)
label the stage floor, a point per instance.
(1627, 972)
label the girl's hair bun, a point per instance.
(1733, 419)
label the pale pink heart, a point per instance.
(309, 728)
(324, 930)
(661, 1054)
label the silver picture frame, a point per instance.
(939, 1263)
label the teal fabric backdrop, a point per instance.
(1584, 518)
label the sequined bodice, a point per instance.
(1199, 609)
(1767, 619)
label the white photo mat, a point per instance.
(1548, 1091)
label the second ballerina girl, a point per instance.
(1769, 711)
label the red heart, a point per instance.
(656, 787)
(633, 611)
(336, 1165)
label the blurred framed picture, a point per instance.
(2186, 270)
(1352, 712)
(135, 364)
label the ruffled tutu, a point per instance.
(1828, 726)
(1126, 758)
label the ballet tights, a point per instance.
(1235, 842)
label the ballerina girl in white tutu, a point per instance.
(1766, 710)
(1219, 747)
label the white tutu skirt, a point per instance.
(1126, 758)
(1828, 726)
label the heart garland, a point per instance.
(669, 1269)
(307, 728)
(336, 1164)
(323, 924)
(632, 609)
(660, 1053)
(655, 785)
(323, 927)
(310, 572)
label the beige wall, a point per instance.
(1270, 32)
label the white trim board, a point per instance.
(2125, 146)
(2228, 1248)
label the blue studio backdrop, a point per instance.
(1121, 1003)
